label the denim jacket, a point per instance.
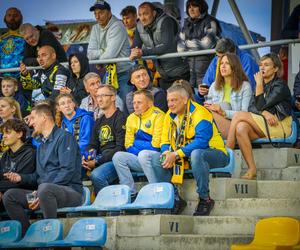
(239, 100)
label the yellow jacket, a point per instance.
(200, 132)
(144, 131)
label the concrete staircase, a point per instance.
(239, 204)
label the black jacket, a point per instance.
(50, 80)
(76, 84)
(276, 92)
(46, 38)
(158, 38)
(296, 88)
(108, 136)
(23, 162)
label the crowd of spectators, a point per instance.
(171, 115)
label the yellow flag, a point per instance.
(111, 75)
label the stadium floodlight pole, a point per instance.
(177, 54)
(243, 27)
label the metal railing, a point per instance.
(176, 54)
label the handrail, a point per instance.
(176, 54)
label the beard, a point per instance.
(14, 25)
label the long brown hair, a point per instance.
(237, 73)
(58, 114)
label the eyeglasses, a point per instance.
(104, 95)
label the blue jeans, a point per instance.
(201, 161)
(125, 162)
(149, 160)
(103, 175)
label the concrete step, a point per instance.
(270, 162)
(174, 242)
(120, 228)
(278, 189)
(271, 157)
(155, 225)
(221, 189)
(291, 173)
(251, 207)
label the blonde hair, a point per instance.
(13, 103)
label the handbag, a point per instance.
(268, 132)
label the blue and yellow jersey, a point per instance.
(144, 131)
(200, 132)
(12, 48)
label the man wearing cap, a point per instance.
(109, 40)
(156, 34)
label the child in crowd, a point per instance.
(9, 88)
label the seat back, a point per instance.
(113, 196)
(44, 231)
(282, 231)
(229, 168)
(10, 231)
(156, 194)
(87, 196)
(93, 230)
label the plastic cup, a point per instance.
(30, 197)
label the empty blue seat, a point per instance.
(10, 231)
(289, 140)
(40, 234)
(109, 198)
(87, 232)
(153, 196)
(228, 169)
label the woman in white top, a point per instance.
(231, 92)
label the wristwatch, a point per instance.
(177, 156)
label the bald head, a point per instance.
(46, 56)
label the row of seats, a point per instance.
(116, 198)
(87, 232)
(278, 233)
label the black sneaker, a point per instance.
(204, 207)
(179, 206)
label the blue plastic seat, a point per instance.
(153, 196)
(289, 140)
(110, 198)
(86, 202)
(64, 210)
(40, 234)
(87, 232)
(10, 231)
(228, 169)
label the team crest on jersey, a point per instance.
(148, 124)
(9, 47)
(105, 135)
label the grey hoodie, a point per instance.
(110, 42)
